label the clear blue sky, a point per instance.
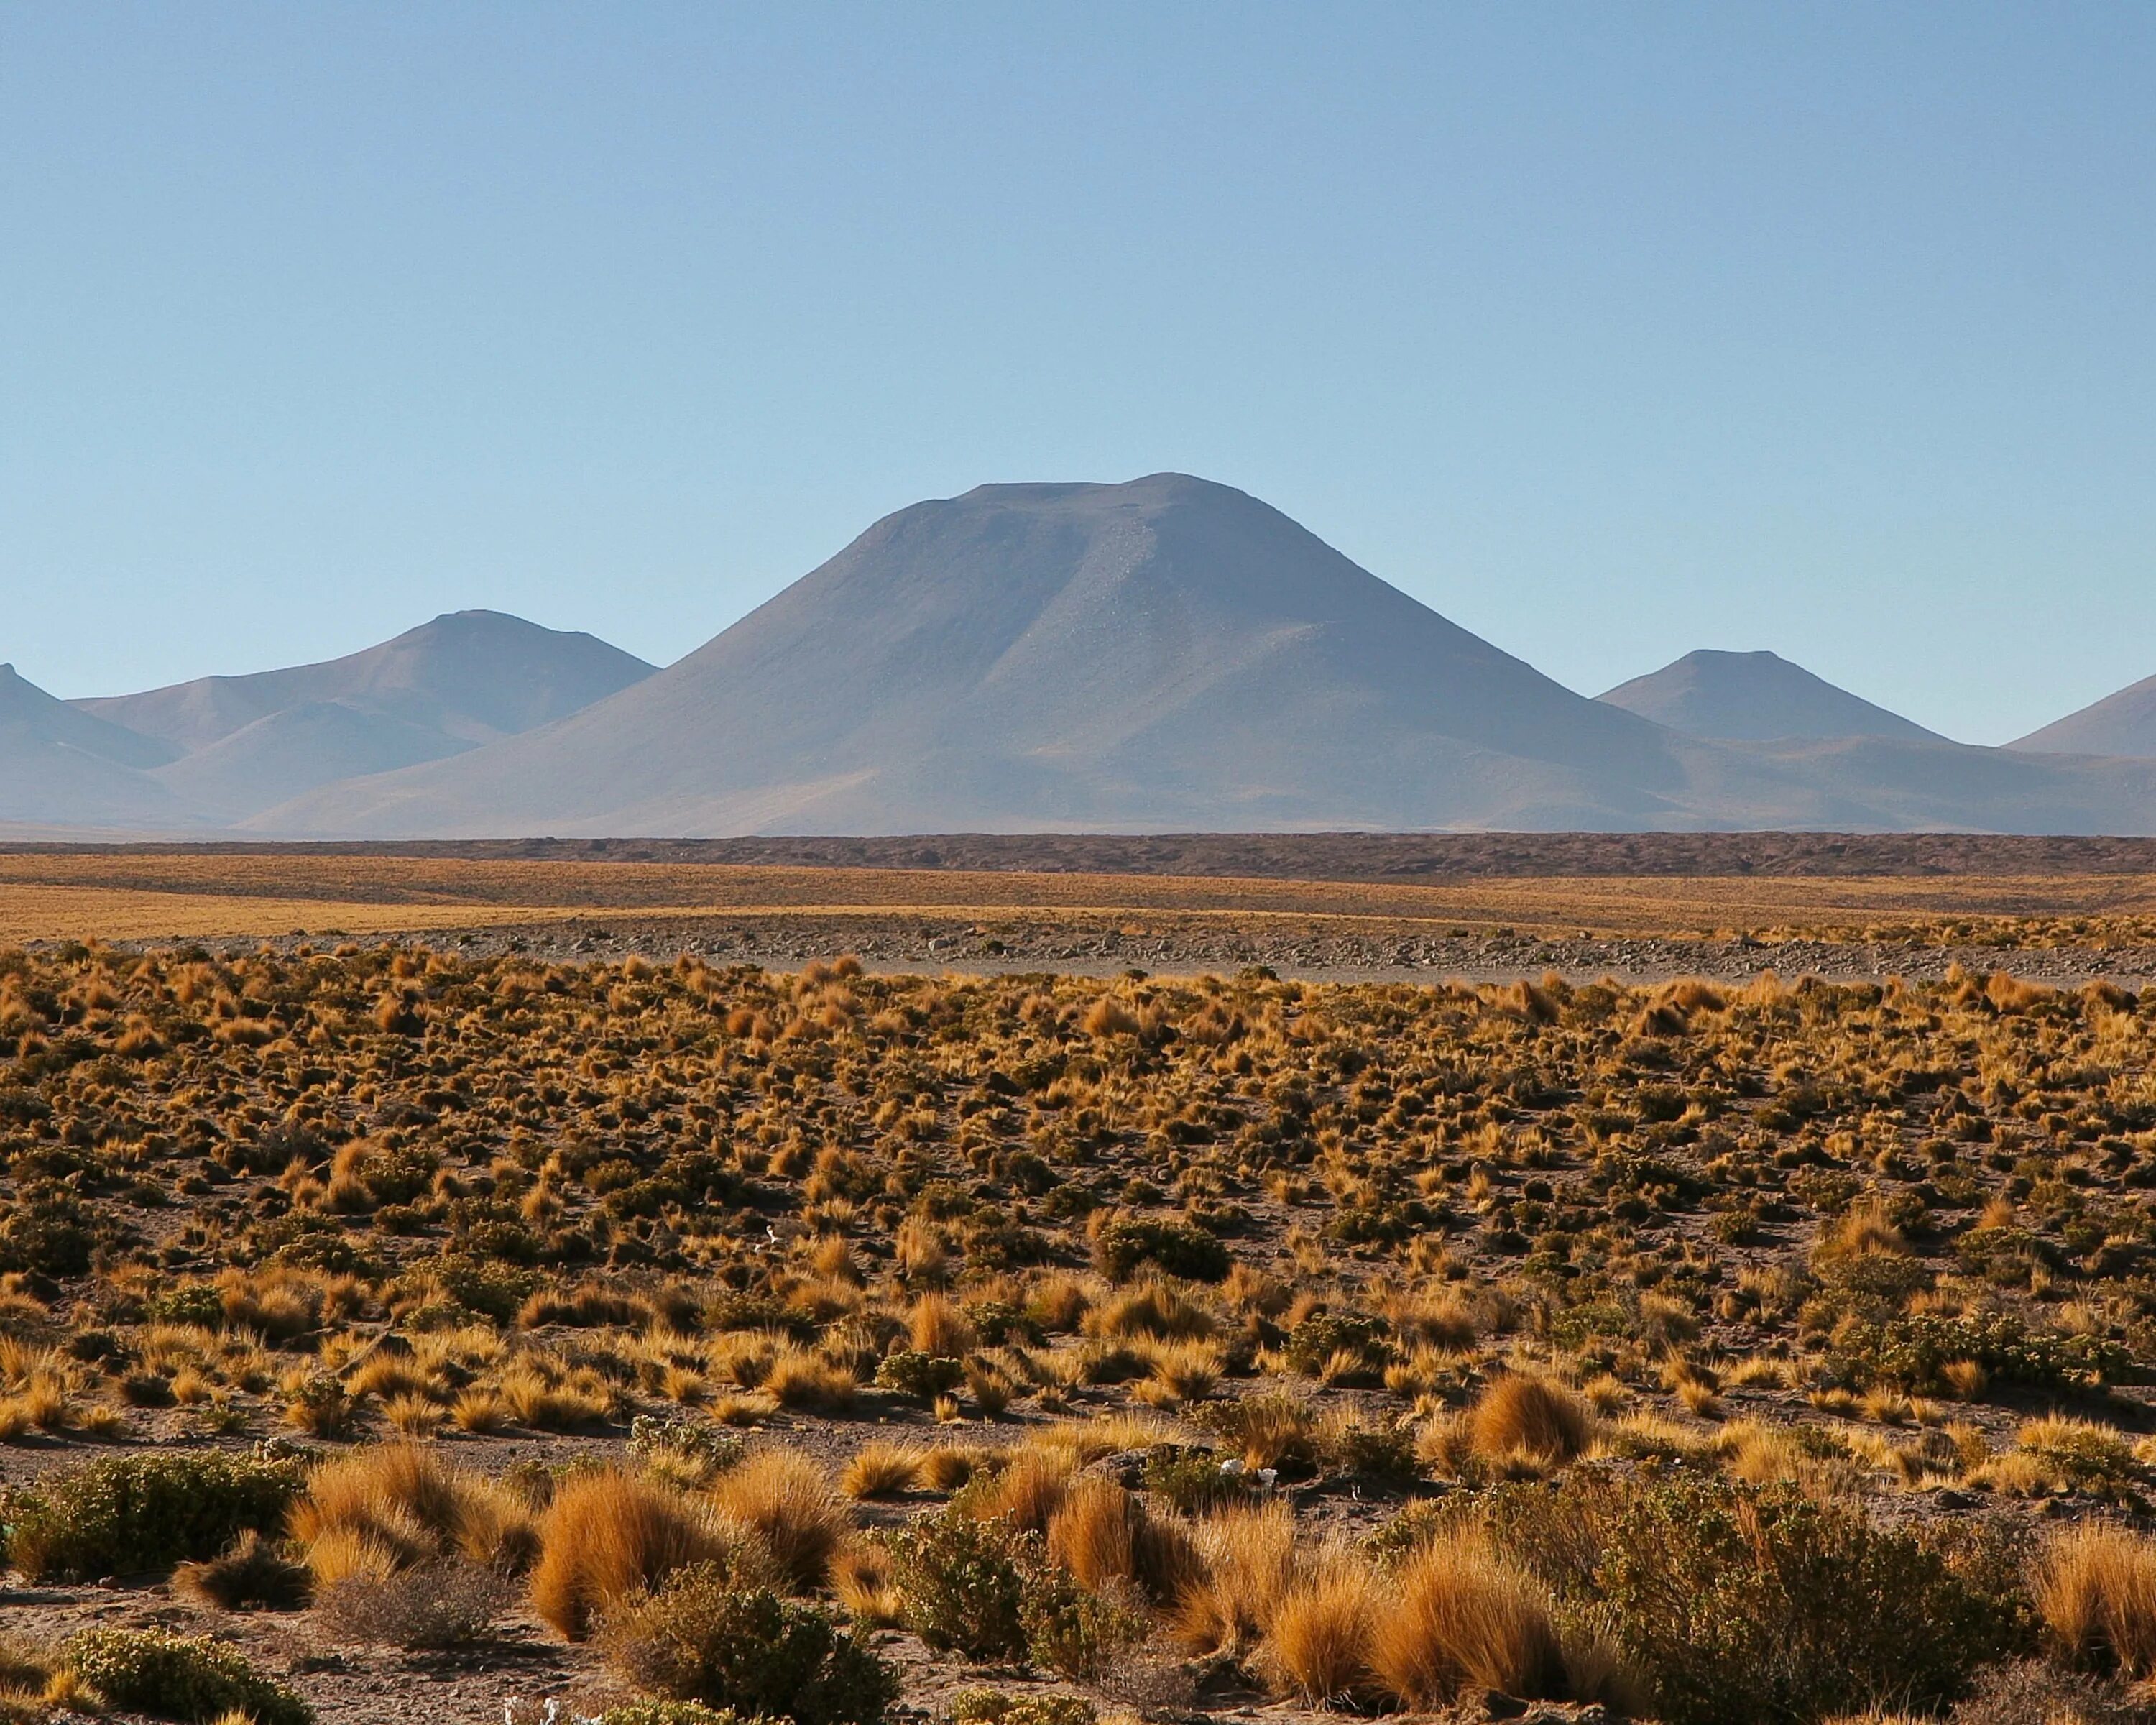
(1609, 331)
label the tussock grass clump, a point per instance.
(606, 1535)
(1247, 1561)
(1316, 1647)
(251, 1574)
(1104, 1536)
(1026, 1491)
(1458, 1617)
(882, 1469)
(2096, 1590)
(394, 1506)
(1522, 1419)
(783, 1502)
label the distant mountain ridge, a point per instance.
(1165, 654)
(57, 764)
(473, 676)
(1755, 697)
(237, 745)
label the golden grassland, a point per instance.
(1689, 1351)
(184, 895)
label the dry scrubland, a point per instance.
(388, 1333)
(209, 895)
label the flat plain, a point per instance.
(421, 1328)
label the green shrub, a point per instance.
(190, 1678)
(1312, 1344)
(961, 1583)
(998, 1706)
(1124, 1248)
(710, 1448)
(125, 1515)
(43, 1231)
(668, 1713)
(1381, 1455)
(921, 1375)
(192, 1302)
(1070, 1630)
(1909, 1353)
(986, 1590)
(698, 1637)
(1734, 1603)
(1190, 1479)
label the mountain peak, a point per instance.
(1756, 696)
(471, 676)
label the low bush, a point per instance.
(1734, 1602)
(192, 1679)
(450, 1604)
(126, 1515)
(960, 1584)
(920, 1376)
(668, 1713)
(697, 1637)
(1334, 1343)
(999, 1707)
(1913, 1352)
(1176, 1248)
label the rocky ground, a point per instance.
(1173, 946)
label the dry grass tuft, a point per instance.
(409, 1505)
(1522, 1419)
(1247, 1562)
(1104, 1536)
(608, 1535)
(882, 1470)
(783, 1500)
(1316, 1648)
(1457, 1619)
(1027, 1492)
(252, 1574)
(2096, 1591)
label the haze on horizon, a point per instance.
(1609, 336)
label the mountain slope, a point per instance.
(1166, 652)
(2120, 724)
(1757, 697)
(69, 768)
(469, 675)
(289, 751)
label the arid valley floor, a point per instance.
(1040, 1281)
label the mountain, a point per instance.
(1170, 654)
(285, 753)
(245, 744)
(65, 767)
(1755, 697)
(469, 675)
(1166, 651)
(2120, 724)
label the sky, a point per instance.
(1610, 332)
